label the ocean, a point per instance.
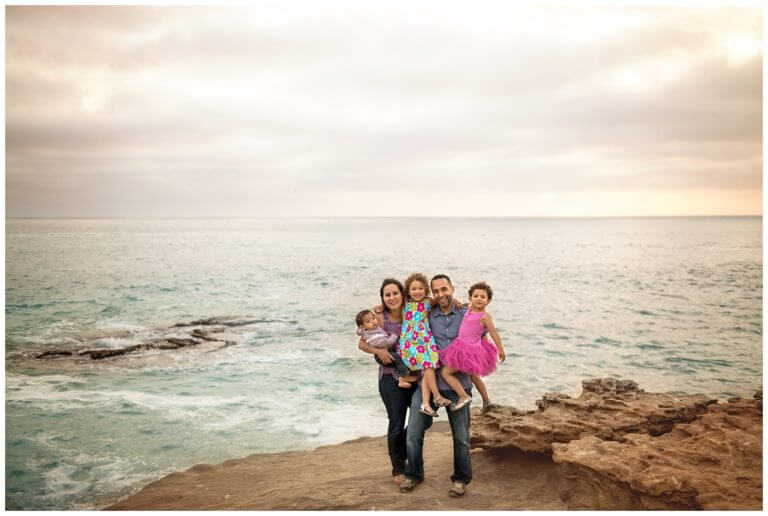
(672, 303)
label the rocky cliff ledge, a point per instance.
(619, 447)
(613, 447)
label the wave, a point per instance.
(700, 361)
(555, 326)
(606, 340)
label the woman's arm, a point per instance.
(382, 353)
(487, 321)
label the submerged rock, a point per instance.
(619, 447)
(205, 335)
(54, 353)
(229, 321)
(98, 354)
(196, 337)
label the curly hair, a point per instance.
(416, 276)
(482, 286)
(361, 315)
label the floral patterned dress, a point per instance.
(417, 347)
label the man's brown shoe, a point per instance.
(458, 489)
(407, 485)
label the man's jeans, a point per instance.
(414, 442)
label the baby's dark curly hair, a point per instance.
(360, 315)
(482, 286)
(416, 276)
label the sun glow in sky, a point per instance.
(548, 110)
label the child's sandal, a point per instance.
(461, 404)
(442, 402)
(427, 410)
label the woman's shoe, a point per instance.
(442, 402)
(461, 404)
(426, 409)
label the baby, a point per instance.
(368, 327)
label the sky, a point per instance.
(337, 110)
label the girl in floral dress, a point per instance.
(417, 347)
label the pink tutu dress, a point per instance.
(470, 352)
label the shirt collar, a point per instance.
(454, 310)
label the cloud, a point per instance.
(234, 108)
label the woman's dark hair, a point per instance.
(391, 281)
(482, 286)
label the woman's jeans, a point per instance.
(396, 400)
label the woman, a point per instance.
(396, 399)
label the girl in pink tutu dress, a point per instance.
(471, 353)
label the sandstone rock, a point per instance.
(619, 447)
(610, 386)
(713, 462)
(607, 408)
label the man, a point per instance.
(444, 319)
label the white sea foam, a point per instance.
(51, 340)
(109, 326)
(42, 390)
(101, 476)
(59, 482)
(19, 382)
(114, 342)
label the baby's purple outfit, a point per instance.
(377, 337)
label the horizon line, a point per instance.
(389, 217)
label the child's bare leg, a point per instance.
(406, 381)
(430, 378)
(426, 394)
(480, 384)
(448, 375)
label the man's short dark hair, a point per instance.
(440, 276)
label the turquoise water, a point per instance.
(673, 303)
